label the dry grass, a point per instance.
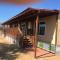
(11, 52)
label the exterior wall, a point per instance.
(50, 32)
(58, 30)
(58, 36)
(1, 33)
(10, 39)
(47, 41)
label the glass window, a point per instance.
(42, 27)
(29, 28)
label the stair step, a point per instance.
(28, 46)
(26, 41)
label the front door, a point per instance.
(27, 29)
(23, 28)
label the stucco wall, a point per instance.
(50, 29)
(58, 30)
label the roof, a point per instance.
(32, 12)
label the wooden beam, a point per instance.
(36, 34)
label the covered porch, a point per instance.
(39, 26)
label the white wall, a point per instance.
(58, 30)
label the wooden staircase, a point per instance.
(27, 43)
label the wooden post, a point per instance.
(36, 34)
(56, 32)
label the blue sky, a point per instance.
(9, 10)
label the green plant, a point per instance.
(41, 45)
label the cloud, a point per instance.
(21, 1)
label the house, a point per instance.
(40, 26)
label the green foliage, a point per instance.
(51, 47)
(40, 44)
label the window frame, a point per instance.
(42, 26)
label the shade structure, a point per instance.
(21, 1)
(31, 12)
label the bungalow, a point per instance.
(41, 27)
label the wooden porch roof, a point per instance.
(30, 12)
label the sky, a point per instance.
(7, 11)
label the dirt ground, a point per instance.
(11, 52)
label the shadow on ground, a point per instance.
(9, 52)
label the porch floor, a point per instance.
(40, 52)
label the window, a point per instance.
(42, 27)
(29, 25)
(30, 28)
